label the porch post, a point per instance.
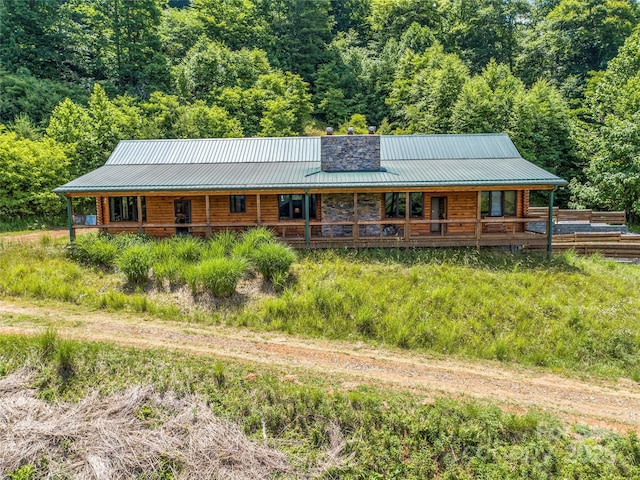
(407, 214)
(478, 219)
(259, 219)
(356, 226)
(550, 225)
(72, 230)
(140, 228)
(208, 219)
(306, 219)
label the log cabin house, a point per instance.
(328, 191)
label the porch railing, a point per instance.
(392, 231)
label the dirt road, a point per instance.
(606, 404)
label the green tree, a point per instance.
(485, 103)
(298, 32)
(31, 38)
(179, 30)
(481, 30)
(543, 129)
(235, 23)
(288, 108)
(209, 67)
(612, 135)
(391, 18)
(96, 129)
(425, 90)
(575, 37)
(30, 169)
(201, 121)
(35, 97)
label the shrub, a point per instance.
(135, 263)
(218, 275)
(273, 259)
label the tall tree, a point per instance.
(391, 18)
(426, 89)
(481, 30)
(575, 37)
(298, 34)
(210, 67)
(30, 169)
(94, 130)
(486, 101)
(235, 23)
(612, 134)
(28, 37)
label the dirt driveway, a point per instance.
(598, 403)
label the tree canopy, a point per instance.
(561, 77)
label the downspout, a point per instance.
(306, 218)
(70, 221)
(550, 227)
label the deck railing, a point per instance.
(416, 232)
(582, 215)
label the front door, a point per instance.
(182, 212)
(438, 212)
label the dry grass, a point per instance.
(128, 434)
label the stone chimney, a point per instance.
(350, 153)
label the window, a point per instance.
(395, 204)
(237, 204)
(498, 204)
(125, 209)
(292, 206)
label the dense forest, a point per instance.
(562, 77)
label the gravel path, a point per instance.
(599, 403)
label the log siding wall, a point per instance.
(460, 205)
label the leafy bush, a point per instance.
(220, 276)
(273, 259)
(135, 262)
(95, 249)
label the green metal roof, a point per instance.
(294, 163)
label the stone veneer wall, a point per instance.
(338, 207)
(344, 153)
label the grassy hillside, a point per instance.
(326, 428)
(573, 314)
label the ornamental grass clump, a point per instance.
(224, 241)
(186, 248)
(135, 262)
(95, 249)
(251, 240)
(170, 269)
(273, 260)
(218, 276)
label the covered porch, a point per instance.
(324, 219)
